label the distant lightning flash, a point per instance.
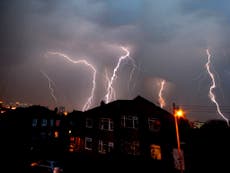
(110, 90)
(50, 82)
(213, 86)
(131, 73)
(161, 99)
(90, 99)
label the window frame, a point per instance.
(44, 122)
(152, 124)
(103, 122)
(87, 124)
(130, 121)
(155, 152)
(88, 141)
(51, 122)
(57, 122)
(34, 122)
(105, 147)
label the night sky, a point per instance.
(166, 39)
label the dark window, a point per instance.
(88, 143)
(105, 147)
(128, 121)
(106, 124)
(89, 123)
(154, 124)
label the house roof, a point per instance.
(138, 104)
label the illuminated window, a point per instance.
(155, 151)
(89, 123)
(44, 122)
(56, 134)
(154, 124)
(72, 144)
(71, 139)
(88, 143)
(106, 124)
(105, 147)
(76, 144)
(34, 122)
(129, 121)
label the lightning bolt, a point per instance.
(50, 82)
(83, 61)
(161, 99)
(113, 93)
(110, 90)
(213, 86)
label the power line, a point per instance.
(204, 108)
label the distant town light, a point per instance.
(34, 164)
(13, 108)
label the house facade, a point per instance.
(121, 130)
(124, 129)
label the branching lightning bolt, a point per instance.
(50, 82)
(213, 86)
(161, 99)
(83, 61)
(110, 90)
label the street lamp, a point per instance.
(178, 113)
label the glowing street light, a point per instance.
(178, 113)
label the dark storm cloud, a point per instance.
(213, 10)
(18, 39)
(12, 33)
(210, 8)
(32, 26)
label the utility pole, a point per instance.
(178, 113)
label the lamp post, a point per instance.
(178, 113)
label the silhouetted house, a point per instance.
(48, 132)
(76, 129)
(125, 129)
(210, 147)
(33, 132)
